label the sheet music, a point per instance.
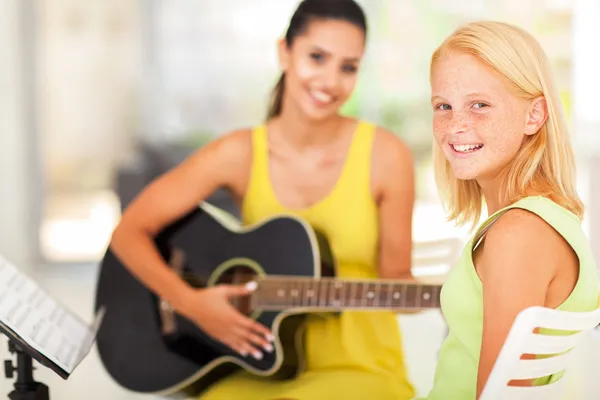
(40, 321)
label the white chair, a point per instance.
(432, 260)
(522, 340)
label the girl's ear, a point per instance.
(537, 115)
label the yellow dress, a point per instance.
(355, 355)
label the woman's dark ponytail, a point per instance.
(277, 98)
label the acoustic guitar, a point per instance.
(147, 347)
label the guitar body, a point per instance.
(148, 348)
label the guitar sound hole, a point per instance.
(239, 275)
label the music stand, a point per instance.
(39, 328)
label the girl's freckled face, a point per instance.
(478, 122)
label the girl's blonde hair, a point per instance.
(545, 163)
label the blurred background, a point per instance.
(99, 97)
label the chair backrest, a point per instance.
(432, 260)
(554, 347)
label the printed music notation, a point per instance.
(40, 321)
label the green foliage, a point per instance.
(352, 106)
(197, 139)
(566, 98)
(393, 117)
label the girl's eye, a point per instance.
(443, 107)
(480, 105)
(349, 69)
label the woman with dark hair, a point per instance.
(352, 180)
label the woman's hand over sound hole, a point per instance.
(211, 309)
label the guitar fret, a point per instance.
(383, 294)
(395, 295)
(363, 294)
(304, 293)
(384, 290)
(301, 293)
(356, 299)
(312, 294)
(332, 290)
(352, 300)
(430, 294)
(337, 291)
(325, 302)
(292, 293)
(376, 292)
(386, 294)
(289, 298)
(298, 294)
(411, 296)
(294, 298)
(330, 293)
(322, 293)
(287, 294)
(373, 294)
(368, 294)
(426, 296)
(276, 296)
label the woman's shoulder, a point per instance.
(389, 148)
(232, 143)
(232, 149)
(392, 163)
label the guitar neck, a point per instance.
(282, 293)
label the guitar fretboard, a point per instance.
(329, 293)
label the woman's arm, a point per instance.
(393, 185)
(224, 162)
(519, 260)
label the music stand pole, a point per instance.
(26, 388)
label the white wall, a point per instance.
(17, 209)
(89, 67)
(586, 85)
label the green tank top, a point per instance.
(462, 301)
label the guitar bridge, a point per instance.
(168, 320)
